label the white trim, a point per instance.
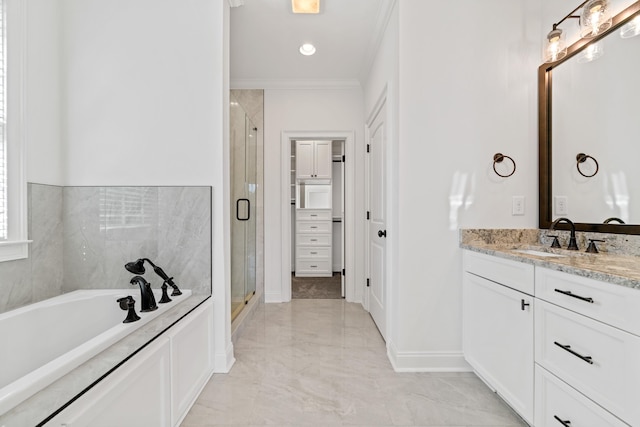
(427, 361)
(297, 84)
(349, 210)
(382, 21)
(16, 247)
(223, 361)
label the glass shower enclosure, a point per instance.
(243, 151)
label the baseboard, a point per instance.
(427, 361)
(272, 297)
(222, 362)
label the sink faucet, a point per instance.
(573, 245)
(147, 300)
(608, 220)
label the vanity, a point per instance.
(555, 333)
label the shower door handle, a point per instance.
(238, 209)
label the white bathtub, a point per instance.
(46, 340)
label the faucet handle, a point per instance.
(128, 303)
(555, 243)
(592, 249)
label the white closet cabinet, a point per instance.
(498, 328)
(313, 160)
(313, 243)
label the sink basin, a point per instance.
(538, 253)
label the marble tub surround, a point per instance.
(106, 227)
(39, 407)
(616, 267)
(40, 276)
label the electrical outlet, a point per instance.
(517, 206)
(560, 205)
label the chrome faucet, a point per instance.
(147, 300)
(573, 245)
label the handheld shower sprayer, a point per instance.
(137, 267)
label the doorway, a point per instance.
(318, 222)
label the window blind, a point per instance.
(3, 139)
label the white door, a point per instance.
(377, 222)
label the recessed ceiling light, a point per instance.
(305, 6)
(307, 49)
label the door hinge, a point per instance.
(343, 158)
(368, 148)
(368, 215)
(367, 283)
(343, 273)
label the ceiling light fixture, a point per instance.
(307, 49)
(305, 6)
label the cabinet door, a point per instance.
(322, 153)
(304, 159)
(498, 340)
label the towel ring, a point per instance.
(581, 158)
(498, 158)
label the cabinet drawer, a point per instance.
(313, 240)
(313, 215)
(313, 267)
(313, 227)
(315, 253)
(554, 398)
(516, 275)
(612, 304)
(610, 375)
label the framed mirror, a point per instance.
(589, 133)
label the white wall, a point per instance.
(466, 90)
(145, 86)
(42, 93)
(319, 110)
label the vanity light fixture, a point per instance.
(307, 49)
(594, 19)
(631, 28)
(305, 6)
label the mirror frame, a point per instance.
(545, 195)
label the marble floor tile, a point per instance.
(323, 363)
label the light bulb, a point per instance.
(595, 18)
(556, 48)
(307, 49)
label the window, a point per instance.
(13, 184)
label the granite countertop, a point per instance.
(615, 268)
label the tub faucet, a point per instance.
(137, 267)
(147, 300)
(573, 245)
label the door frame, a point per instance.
(349, 206)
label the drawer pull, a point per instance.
(524, 304)
(569, 294)
(314, 253)
(313, 266)
(568, 348)
(314, 240)
(314, 215)
(313, 226)
(564, 423)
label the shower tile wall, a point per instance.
(106, 227)
(40, 276)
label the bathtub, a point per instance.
(46, 340)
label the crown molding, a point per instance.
(295, 84)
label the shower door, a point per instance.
(243, 149)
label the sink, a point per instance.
(539, 253)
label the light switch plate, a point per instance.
(517, 207)
(560, 205)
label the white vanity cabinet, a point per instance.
(155, 387)
(587, 338)
(313, 160)
(313, 243)
(498, 327)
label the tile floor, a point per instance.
(323, 363)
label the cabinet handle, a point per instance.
(314, 226)
(314, 253)
(569, 294)
(587, 359)
(564, 423)
(524, 304)
(313, 266)
(314, 240)
(314, 215)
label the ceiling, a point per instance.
(265, 37)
